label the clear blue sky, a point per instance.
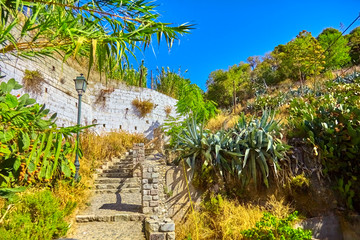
(227, 32)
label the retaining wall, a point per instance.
(108, 105)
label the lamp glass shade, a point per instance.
(80, 84)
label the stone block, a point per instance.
(146, 210)
(147, 175)
(157, 236)
(167, 227)
(152, 226)
(150, 169)
(170, 236)
(155, 180)
(147, 198)
(155, 186)
(155, 175)
(154, 192)
(146, 192)
(121, 217)
(147, 186)
(156, 169)
(144, 181)
(155, 198)
(154, 203)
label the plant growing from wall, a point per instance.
(33, 81)
(32, 148)
(143, 106)
(103, 94)
(168, 110)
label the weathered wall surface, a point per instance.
(178, 201)
(111, 111)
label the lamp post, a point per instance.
(80, 86)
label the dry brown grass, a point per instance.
(99, 148)
(2, 202)
(228, 223)
(222, 121)
(168, 110)
(143, 106)
(32, 81)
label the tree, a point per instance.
(225, 87)
(337, 54)
(354, 44)
(106, 32)
(300, 58)
(265, 72)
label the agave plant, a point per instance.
(258, 140)
(252, 146)
(200, 147)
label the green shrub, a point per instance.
(331, 123)
(271, 228)
(37, 216)
(32, 148)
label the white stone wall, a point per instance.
(59, 95)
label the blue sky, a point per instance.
(227, 32)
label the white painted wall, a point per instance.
(59, 95)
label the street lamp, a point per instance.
(80, 86)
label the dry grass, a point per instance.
(99, 148)
(2, 202)
(168, 110)
(222, 121)
(144, 107)
(228, 223)
(216, 123)
(32, 81)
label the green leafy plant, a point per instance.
(300, 182)
(143, 106)
(272, 228)
(38, 215)
(105, 34)
(32, 148)
(346, 191)
(191, 101)
(331, 123)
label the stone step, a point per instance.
(117, 170)
(114, 175)
(123, 190)
(117, 180)
(110, 218)
(117, 185)
(149, 151)
(122, 163)
(124, 230)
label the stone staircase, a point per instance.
(115, 210)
